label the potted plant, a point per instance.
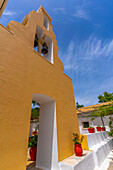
(103, 128)
(34, 116)
(77, 142)
(98, 128)
(35, 132)
(91, 130)
(32, 144)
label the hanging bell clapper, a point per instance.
(44, 48)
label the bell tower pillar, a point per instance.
(3, 4)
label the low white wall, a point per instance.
(94, 123)
(96, 138)
(100, 145)
(86, 164)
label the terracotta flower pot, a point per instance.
(32, 153)
(98, 128)
(91, 130)
(103, 129)
(78, 150)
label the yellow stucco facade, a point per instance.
(85, 143)
(3, 4)
(23, 71)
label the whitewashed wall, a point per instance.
(96, 122)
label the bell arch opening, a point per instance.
(38, 35)
(49, 55)
(47, 153)
(46, 22)
(43, 44)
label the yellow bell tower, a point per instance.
(30, 69)
(3, 4)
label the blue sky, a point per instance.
(84, 31)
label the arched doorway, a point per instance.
(47, 154)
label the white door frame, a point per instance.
(47, 151)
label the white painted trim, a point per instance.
(47, 152)
(55, 165)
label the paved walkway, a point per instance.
(32, 167)
(109, 161)
(111, 166)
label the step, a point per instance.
(78, 163)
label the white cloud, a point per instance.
(81, 14)
(9, 13)
(81, 11)
(83, 57)
(106, 85)
(62, 10)
(86, 101)
(89, 60)
(90, 95)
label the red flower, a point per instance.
(35, 133)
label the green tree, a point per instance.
(35, 110)
(106, 97)
(102, 111)
(34, 103)
(35, 113)
(78, 105)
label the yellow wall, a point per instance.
(3, 4)
(85, 143)
(22, 73)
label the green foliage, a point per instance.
(106, 97)
(78, 106)
(90, 127)
(110, 123)
(77, 139)
(110, 133)
(34, 103)
(36, 128)
(111, 127)
(102, 111)
(35, 110)
(92, 118)
(35, 113)
(33, 141)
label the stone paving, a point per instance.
(111, 166)
(31, 166)
(111, 163)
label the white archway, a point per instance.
(47, 153)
